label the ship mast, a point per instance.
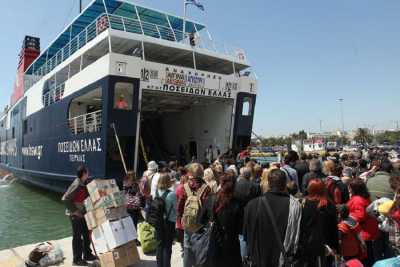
(80, 6)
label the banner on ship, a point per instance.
(181, 82)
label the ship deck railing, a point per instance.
(86, 123)
(104, 21)
(53, 95)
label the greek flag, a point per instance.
(196, 3)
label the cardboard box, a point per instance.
(100, 188)
(88, 204)
(113, 200)
(132, 253)
(109, 214)
(99, 242)
(91, 220)
(129, 229)
(113, 234)
(123, 256)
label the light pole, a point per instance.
(341, 112)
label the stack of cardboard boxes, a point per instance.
(113, 231)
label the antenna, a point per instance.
(80, 6)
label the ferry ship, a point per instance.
(121, 85)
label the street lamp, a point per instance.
(341, 112)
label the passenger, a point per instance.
(318, 227)
(379, 185)
(73, 200)
(394, 215)
(210, 180)
(179, 191)
(351, 244)
(173, 168)
(315, 173)
(153, 168)
(245, 154)
(257, 173)
(209, 154)
(245, 190)
(218, 171)
(133, 198)
(301, 167)
(265, 241)
(227, 215)
(291, 173)
(338, 192)
(121, 103)
(146, 183)
(197, 187)
(347, 175)
(164, 248)
(359, 201)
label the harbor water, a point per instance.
(30, 215)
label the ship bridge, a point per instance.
(136, 30)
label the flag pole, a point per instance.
(184, 20)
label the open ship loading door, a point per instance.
(244, 116)
(180, 127)
(122, 111)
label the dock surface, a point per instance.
(15, 257)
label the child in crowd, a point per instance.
(352, 246)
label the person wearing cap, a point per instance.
(152, 169)
(121, 103)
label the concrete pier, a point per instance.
(15, 257)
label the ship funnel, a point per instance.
(29, 52)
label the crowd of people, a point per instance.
(338, 210)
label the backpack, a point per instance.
(206, 244)
(192, 208)
(158, 215)
(333, 184)
(147, 237)
(145, 185)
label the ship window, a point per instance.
(247, 106)
(123, 96)
(13, 133)
(85, 112)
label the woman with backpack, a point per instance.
(337, 190)
(195, 194)
(166, 225)
(318, 227)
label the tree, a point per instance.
(391, 137)
(302, 135)
(363, 136)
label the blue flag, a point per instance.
(196, 3)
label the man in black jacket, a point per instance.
(74, 202)
(263, 245)
(245, 190)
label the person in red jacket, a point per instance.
(351, 244)
(359, 201)
(179, 192)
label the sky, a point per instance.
(307, 54)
